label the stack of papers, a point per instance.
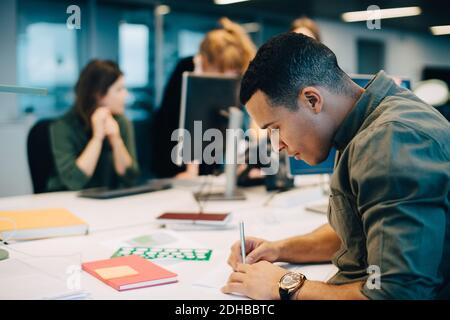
(24, 282)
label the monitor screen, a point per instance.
(363, 79)
(205, 103)
(299, 167)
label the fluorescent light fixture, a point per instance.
(222, 2)
(382, 14)
(440, 30)
(162, 10)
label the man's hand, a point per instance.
(260, 281)
(256, 250)
(256, 281)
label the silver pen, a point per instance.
(241, 229)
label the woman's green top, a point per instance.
(68, 139)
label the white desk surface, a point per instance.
(133, 216)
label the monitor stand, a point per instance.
(231, 191)
(322, 206)
(3, 254)
(220, 196)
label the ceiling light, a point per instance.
(440, 30)
(381, 14)
(222, 2)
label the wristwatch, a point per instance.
(290, 283)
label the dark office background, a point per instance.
(147, 44)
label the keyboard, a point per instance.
(106, 193)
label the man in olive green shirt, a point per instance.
(389, 212)
(69, 137)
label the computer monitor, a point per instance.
(363, 79)
(300, 167)
(212, 99)
(206, 98)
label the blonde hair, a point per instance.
(307, 23)
(228, 48)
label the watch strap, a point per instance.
(284, 294)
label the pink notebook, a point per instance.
(130, 272)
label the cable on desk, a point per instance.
(4, 243)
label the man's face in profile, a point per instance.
(303, 132)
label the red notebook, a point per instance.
(130, 272)
(197, 218)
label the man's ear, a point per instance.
(311, 98)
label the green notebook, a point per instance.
(150, 253)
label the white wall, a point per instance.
(14, 173)
(8, 102)
(406, 53)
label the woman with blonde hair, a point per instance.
(306, 26)
(228, 49)
(225, 50)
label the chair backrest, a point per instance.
(40, 158)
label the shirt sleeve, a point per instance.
(65, 153)
(401, 179)
(127, 133)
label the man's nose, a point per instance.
(275, 140)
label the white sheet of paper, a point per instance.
(178, 240)
(24, 282)
(218, 276)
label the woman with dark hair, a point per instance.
(93, 144)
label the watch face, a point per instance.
(290, 280)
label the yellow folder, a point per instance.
(40, 223)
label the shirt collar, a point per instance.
(375, 91)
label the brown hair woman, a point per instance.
(93, 143)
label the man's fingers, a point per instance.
(236, 277)
(232, 261)
(242, 267)
(234, 287)
(255, 255)
(235, 256)
(235, 245)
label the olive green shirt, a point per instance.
(390, 197)
(68, 139)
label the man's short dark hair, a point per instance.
(286, 64)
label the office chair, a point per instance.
(40, 158)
